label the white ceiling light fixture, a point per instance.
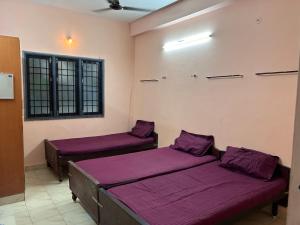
(188, 41)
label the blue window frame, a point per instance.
(62, 86)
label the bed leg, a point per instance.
(275, 210)
(60, 177)
(60, 174)
(74, 197)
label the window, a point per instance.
(62, 86)
(90, 87)
(38, 79)
(67, 75)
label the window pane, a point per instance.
(38, 80)
(90, 87)
(72, 96)
(66, 86)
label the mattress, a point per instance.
(85, 145)
(203, 195)
(121, 169)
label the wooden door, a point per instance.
(11, 128)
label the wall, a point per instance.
(294, 194)
(43, 29)
(255, 112)
(175, 13)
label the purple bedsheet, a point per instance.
(203, 195)
(99, 143)
(116, 170)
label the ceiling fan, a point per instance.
(115, 5)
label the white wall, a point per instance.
(175, 13)
(255, 112)
(44, 29)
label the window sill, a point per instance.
(26, 119)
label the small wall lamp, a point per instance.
(69, 40)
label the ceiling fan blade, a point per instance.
(116, 2)
(136, 9)
(101, 10)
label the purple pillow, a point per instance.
(251, 162)
(142, 129)
(195, 144)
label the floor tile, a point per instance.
(61, 197)
(9, 220)
(57, 188)
(34, 188)
(38, 195)
(68, 206)
(26, 220)
(56, 220)
(38, 203)
(43, 213)
(91, 222)
(11, 209)
(74, 218)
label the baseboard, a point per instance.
(12, 199)
(35, 167)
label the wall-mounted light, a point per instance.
(188, 41)
(69, 40)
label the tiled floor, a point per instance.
(49, 202)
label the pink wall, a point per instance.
(43, 29)
(255, 112)
(294, 195)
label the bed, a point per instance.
(87, 177)
(202, 195)
(59, 152)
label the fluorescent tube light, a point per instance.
(188, 41)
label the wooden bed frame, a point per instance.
(105, 209)
(59, 163)
(114, 212)
(86, 188)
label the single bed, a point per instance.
(86, 177)
(203, 195)
(59, 152)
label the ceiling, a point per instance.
(87, 6)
